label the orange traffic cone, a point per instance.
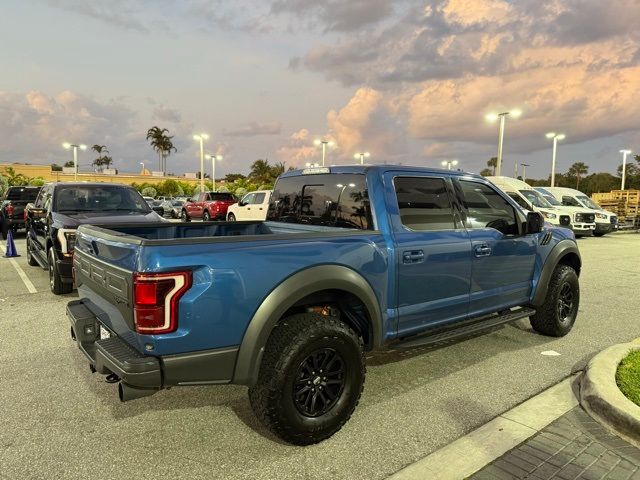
(11, 247)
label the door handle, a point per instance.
(413, 256)
(482, 250)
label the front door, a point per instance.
(503, 258)
(432, 253)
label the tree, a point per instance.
(55, 167)
(69, 164)
(232, 177)
(261, 171)
(577, 170)
(100, 150)
(493, 163)
(161, 142)
(149, 192)
(277, 170)
(486, 172)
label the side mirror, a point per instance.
(534, 223)
(241, 204)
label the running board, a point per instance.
(470, 327)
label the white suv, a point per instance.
(253, 206)
(580, 220)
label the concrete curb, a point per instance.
(601, 397)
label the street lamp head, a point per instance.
(491, 117)
(626, 152)
(551, 134)
(352, 185)
(307, 164)
(317, 141)
(444, 163)
(454, 163)
(356, 156)
(82, 146)
(201, 136)
(561, 136)
(66, 145)
(331, 143)
(516, 113)
(367, 154)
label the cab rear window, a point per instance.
(25, 194)
(334, 200)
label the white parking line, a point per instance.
(27, 283)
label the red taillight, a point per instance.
(155, 300)
(9, 210)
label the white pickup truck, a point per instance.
(579, 219)
(253, 206)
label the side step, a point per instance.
(470, 327)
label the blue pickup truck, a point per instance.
(349, 259)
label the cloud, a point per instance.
(299, 149)
(165, 114)
(252, 129)
(125, 14)
(336, 15)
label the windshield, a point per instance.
(536, 199)
(551, 199)
(221, 197)
(588, 202)
(177, 203)
(99, 198)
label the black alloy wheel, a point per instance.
(320, 382)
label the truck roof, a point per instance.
(363, 169)
(88, 184)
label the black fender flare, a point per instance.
(562, 249)
(284, 296)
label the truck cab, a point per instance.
(578, 219)
(605, 221)
(253, 206)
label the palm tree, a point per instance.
(493, 163)
(578, 169)
(161, 143)
(99, 149)
(261, 171)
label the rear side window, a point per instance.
(519, 200)
(338, 200)
(424, 203)
(259, 198)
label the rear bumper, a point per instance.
(114, 355)
(14, 222)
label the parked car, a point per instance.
(578, 219)
(350, 259)
(53, 218)
(157, 206)
(173, 208)
(605, 221)
(12, 206)
(253, 206)
(207, 206)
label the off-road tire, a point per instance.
(55, 281)
(291, 343)
(184, 216)
(30, 259)
(206, 217)
(550, 318)
(231, 217)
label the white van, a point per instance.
(580, 220)
(605, 221)
(253, 206)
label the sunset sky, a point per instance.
(408, 81)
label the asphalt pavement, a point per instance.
(58, 420)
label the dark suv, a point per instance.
(12, 207)
(61, 207)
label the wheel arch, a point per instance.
(307, 285)
(564, 253)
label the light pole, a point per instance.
(362, 156)
(75, 148)
(142, 163)
(324, 144)
(449, 163)
(213, 159)
(624, 165)
(201, 138)
(524, 171)
(309, 165)
(556, 137)
(492, 117)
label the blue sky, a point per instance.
(408, 81)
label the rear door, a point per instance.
(432, 250)
(259, 206)
(502, 257)
(40, 222)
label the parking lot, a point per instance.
(61, 421)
